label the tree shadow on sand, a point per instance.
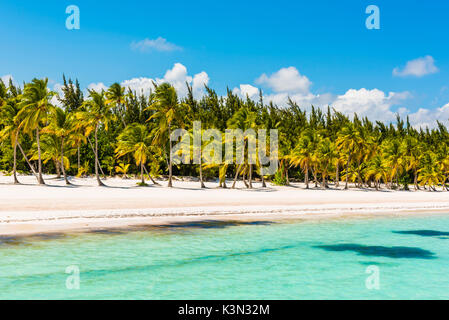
(381, 251)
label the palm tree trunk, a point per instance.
(264, 185)
(337, 175)
(67, 182)
(149, 175)
(415, 181)
(141, 173)
(26, 159)
(244, 180)
(286, 176)
(79, 157)
(100, 183)
(250, 176)
(359, 177)
(201, 176)
(170, 173)
(39, 161)
(15, 159)
(315, 176)
(236, 176)
(93, 149)
(307, 176)
(347, 171)
(58, 168)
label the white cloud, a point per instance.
(372, 103)
(286, 80)
(97, 87)
(428, 118)
(417, 68)
(246, 90)
(6, 78)
(199, 81)
(177, 76)
(139, 85)
(158, 44)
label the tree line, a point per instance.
(120, 131)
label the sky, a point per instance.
(316, 52)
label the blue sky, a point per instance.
(236, 42)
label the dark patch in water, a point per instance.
(28, 239)
(106, 231)
(203, 224)
(381, 251)
(213, 224)
(426, 233)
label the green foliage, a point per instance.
(320, 147)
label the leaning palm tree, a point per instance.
(96, 113)
(166, 113)
(35, 108)
(61, 125)
(135, 140)
(245, 119)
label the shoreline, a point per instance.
(31, 209)
(74, 221)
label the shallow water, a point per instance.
(232, 260)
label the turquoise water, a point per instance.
(221, 260)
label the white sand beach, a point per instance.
(29, 208)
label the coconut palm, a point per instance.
(61, 125)
(35, 108)
(96, 114)
(348, 141)
(326, 155)
(135, 140)
(123, 169)
(304, 153)
(116, 97)
(377, 170)
(11, 128)
(166, 112)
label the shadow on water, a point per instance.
(381, 251)
(213, 224)
(203, 224)
(28, 239)
(426, 233)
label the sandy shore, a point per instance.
(28, 208)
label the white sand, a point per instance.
(29, 208)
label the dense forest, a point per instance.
(122, 132)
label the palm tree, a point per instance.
(11, 128)
(377, 170)
(245, 119)
(304, 153)
(135, 140)
(61, 125)
(35, 108)
(123, 169)
(166, 112)
(97, 113)
(348, 141)
(395, 160)
(326, 155)
(117, 97)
